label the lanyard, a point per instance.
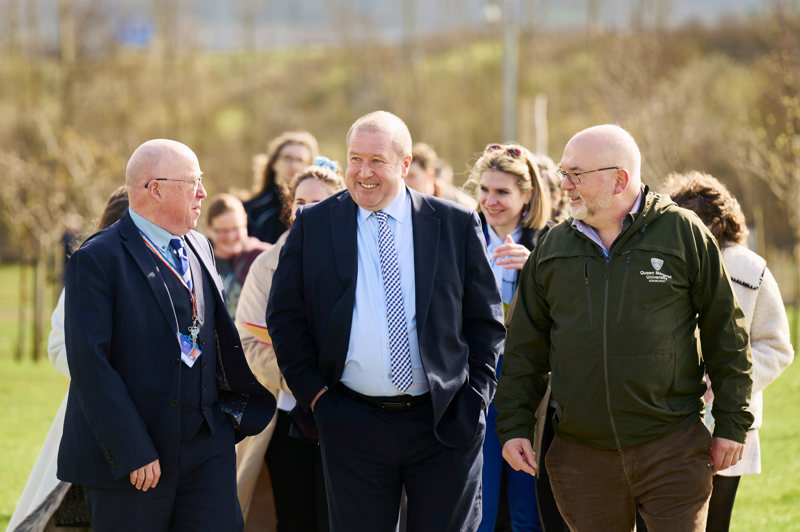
(194, 329)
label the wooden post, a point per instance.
(38, 305)
(22, 310)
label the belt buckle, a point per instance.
(395, 407)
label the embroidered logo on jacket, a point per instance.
(655, 276)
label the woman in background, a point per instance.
(234, 251)
(559, 202)
(47, 502)
(293, 461)
(758, 294)
(514, 207)
(287, 155)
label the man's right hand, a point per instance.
(146, 477)
(519, 455)
(316, 397)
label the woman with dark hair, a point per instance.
(46, 501)
(758, 294)
(514, 207)
(294, 462)
(287, 155)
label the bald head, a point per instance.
(605, 165)
(610, 145)
(151, 158)
(160, 175)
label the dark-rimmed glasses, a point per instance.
(574, 177)
(195, 181)
(513, 152)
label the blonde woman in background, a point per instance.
(514, 208)
(293, 461)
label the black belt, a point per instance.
(395, 403)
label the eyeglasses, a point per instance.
(513, 152)
(195, 181)
(289, 159)
(227, 230)
(574, 177)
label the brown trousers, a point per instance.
(669, 479)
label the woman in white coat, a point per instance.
(758, 294)
(46, 502)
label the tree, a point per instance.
(773, 141)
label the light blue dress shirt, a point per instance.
(158, 236)
(505, 278)
(367, 368)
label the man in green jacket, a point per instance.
(607, 308)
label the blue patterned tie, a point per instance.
(183, 258)
(398, 335)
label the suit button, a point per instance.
(173, 403)
(204, 387)
(177, 360)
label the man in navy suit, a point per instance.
(386, 323)
(160, 388)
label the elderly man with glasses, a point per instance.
(608, 304)
(160, 387)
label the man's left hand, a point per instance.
(725, 453)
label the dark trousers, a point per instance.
(370, 455)
(295, 468)
(667, 479)
(197, 493)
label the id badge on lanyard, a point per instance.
(189, 350)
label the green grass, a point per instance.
(30, 395)
(771, 500)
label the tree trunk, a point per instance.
(38, 306)
(23, 307)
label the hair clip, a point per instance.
(321, 160)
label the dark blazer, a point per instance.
(124, 358)
(458, 309)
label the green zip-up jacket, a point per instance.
(618, 334)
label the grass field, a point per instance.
(30, 394)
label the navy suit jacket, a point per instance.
(458, 309)
(124, 359)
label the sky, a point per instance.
(223, 25)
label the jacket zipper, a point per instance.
(605, 356)
(624, 285)
(588, 289)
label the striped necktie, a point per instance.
(398, 335)
(183, 259)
